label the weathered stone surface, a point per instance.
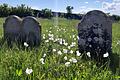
(31, 31)
(12, 27)
(95, 34)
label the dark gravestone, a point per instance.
(31, 31)
(12, 28)
(95, 34)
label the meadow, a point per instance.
(58, 57)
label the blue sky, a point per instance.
(80, 6)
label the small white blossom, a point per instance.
(28, 71)
(46, 41)
(69, 47)
(59, 52)
(78, 53)
(65, 50)
(54, 50)
(44, 55)
(26, 44)
(73, 60)
(60, 41)
(71, 51)
(67, 64)
(88, 54)
(42, 60)
(73, 36)
(65, 44)
(118, 43)
(65, 58)
(106, 54)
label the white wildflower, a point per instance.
(59, 52)
(42, 60)
(88, 54)
(118, 42)
(54, 50)
(78, 53)
(28, 71)
(106, 54)
(69, 47)
(65, 50)
(60, 41)
(71, 51)
(65, 44)
(67, 64)
(65, 58)
(46, 41)
(73, 36)
(26, 44)
(44, 55)
(73, 60)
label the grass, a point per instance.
(53, 66)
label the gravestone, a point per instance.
(31, 31)
(12, 28)
(95, 34)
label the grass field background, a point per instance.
(52, 60)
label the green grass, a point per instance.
(14, 62)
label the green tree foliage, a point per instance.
(69, 11)
(46, 13)
(20, 11)
(4, 10)
(116, 17)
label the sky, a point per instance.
(80, 6)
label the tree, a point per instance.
(46, 13)
(4, 10)
(69, 11)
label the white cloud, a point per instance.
(113, 7)
(86, 2)
(97, 1)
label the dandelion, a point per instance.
(54, 50)
(78, 53)
(67, 64)
(59, 52)
(106, 54)
(28, 71)
(65, 58)
(88, 54)
(71, 51)
(26, 44)
(42, 60)
(65, 50)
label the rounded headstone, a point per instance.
(12, 27)
(31, 31)
(95, 34)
